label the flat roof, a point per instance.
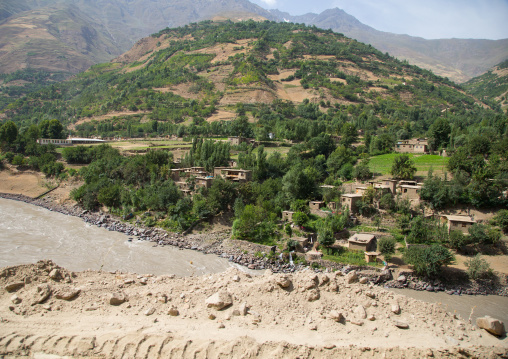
(86, 139)
(361, 238)
(410, 186)
(455, 218)
(351, 195)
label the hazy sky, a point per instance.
(430, 19)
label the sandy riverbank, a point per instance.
(270, 316)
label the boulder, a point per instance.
(311, 282)
(337, 316)
(385, 276)
(400, 324)
(352, 277)
(14, 286)
(43, 292)
(395, 309)
(149, 311)
(15, 299)
(55, 274)
(116, 298)
(492, 325)
(283, 281)
(313, 295)
(243, 308)
(219, 300)
(364, 280)
(173, 312)
(67, 294)
(360, 312)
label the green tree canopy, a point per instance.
(403, 167)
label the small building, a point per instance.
(234, 175)
(287, 216)
(316, 205)
(350, 201)
(332, 206)
(363, 241)
(205, 182)
(361, 190)
(235, 140)
(414, 145)
(410, 192)
(69, 141)
(457, 223)
(371, 257)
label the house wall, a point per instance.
(459, 226)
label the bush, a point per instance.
(481, 234)
(300, 218)
(458, 240)
(478, 268)
(428, 260)
(501, 219)
(18, 160)
(387, 202)
(386, 246)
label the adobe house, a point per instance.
(332, 206)
(350, 201)
(361, 190)
(287, 216)
(410, 192)
(414, 145)
(316, 205)
(205, 182)
(235, 140)
(457, 223)
(231, 174)
(363, 241)
(385, 185)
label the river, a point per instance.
(29, 233)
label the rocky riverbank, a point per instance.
(248, 254)
(48, 311)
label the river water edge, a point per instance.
(30, 233)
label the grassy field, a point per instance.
(381, 165)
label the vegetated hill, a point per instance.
(43, 40)
(491, 86)
(457, 59)
(196, 75)
(71, 35)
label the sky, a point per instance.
(430, 19)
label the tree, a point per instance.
(420, 231)
(386, 246)
(325, 237)
(300, 218)
(428, 260)
(255, 225)
(501, 219)
(51, 129)
(8, 132)
(403, 167)
(349, 134)
(440, 132)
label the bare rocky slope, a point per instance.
(47, 310)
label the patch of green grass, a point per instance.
(382, 164)
(349, 257)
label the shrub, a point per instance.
(457, 240)
(501, 219)
(387, 202)
(428, 260)
(481, 234)
(300, 218)
(386, 246)
(477, 268)
(18, 160)
(288, 230)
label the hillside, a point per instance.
(492, 85)
(457, 59)
(222, 64)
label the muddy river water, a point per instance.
(29, 233)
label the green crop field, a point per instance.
(381, 165)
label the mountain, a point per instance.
(457, 59)
(199, 74)
(71, 35)
(491, 86)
